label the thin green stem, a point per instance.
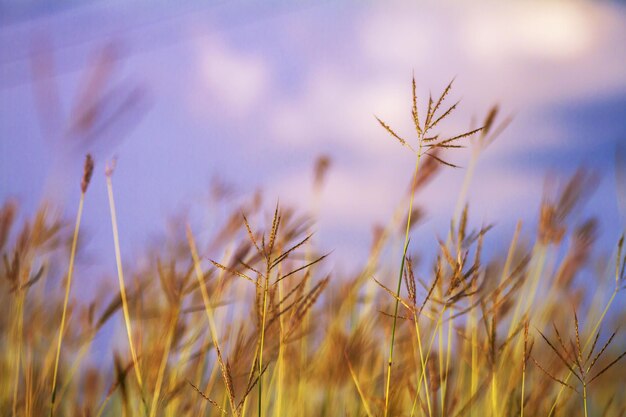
(406, 245)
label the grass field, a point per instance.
(262, 331)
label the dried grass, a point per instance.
(247, 321)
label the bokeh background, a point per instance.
(241, 96)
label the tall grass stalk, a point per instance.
(19, 336)
(211, 318)
(120, 276)
(448, 352)
(423, 368)
(355, 379)
(266, 284)
(399, 286)
(428, 146)
(68, 284)
(280, 363)
(523, 394)
(87, 173)
(164, 358)
(474, 357)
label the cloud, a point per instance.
(531, 57)
(555, 31)
(524, 53)
(335, 108)
(237, 79)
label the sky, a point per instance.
(251, 93)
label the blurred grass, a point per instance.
(263, 331)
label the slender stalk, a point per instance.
(28, 396)
(281, 359)
(406, 245)
(208, 387)
(585, 398)
(262, 342)
(211, 318)
(494, 394)
(244, 406)
(430, 344)
(444, 384)
(423, 364)
(368, 411)
(539, 251)
(521, 413)
(474, 358)
(213, 374)
(120, 276)
(19, 330)
(166, 353)
(304, 340)
(68, 284)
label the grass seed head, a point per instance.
(87, 173)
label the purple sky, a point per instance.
(252, 92)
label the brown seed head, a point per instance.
(551, 228)
(87, 172)
(488, 123)
(7, 215)
(321, 168)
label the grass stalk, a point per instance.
(120, 276)
(262, 340)
(423, 366)
(163, 365)
(68, 284)
(405, 248)
(585, 398)
(280, 365)
(366, 405)
(474, 358)
(522, 398)
(444, 377)
(540, 252)
(494, 394)
(211, 318)
(19, 336)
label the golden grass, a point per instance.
(514, 331)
